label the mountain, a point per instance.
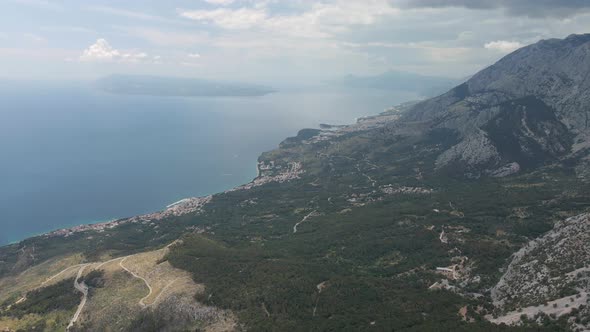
(426, 86)
(458, 213)
(176, 86)
(529, 108)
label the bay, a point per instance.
(71, 155)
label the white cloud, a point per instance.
(102, 51)
(503, 46)
(123, 12)
(320, 20)
(135, 15)
(243, 18)
(194, 55)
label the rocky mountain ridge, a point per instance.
(529, 108)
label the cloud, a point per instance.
(191, 64)
(102, 51)
(34, 38)
(192, 60)
(275, 38)
(319, 20)
(42, 4)
(67, 29)
(220, 2)
(243, 18)
(503, 46)
(165, 37)
(122, 12)
(531, 8)
(136, 15)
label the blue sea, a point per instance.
(70, 154)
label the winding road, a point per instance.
(84, 290)
(141, 302)
(312, 213)
(58, 274)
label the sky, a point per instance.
(266, 40)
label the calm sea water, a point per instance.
(71, 155)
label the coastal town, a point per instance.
(182, 207)
(267, 173)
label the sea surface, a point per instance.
(70, 154)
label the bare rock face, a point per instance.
(548, 268)
(554, 70)
(529, 108)
(506, 170)
(476, 150)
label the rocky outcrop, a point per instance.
(506, 170)
(548, 268)
(475, 150)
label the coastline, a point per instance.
(53, 212)
(63, 226)
(99, 222)
(265, 173)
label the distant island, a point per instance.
(177, 87)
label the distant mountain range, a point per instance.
(426, 86)
(176, 86)
(462, 212)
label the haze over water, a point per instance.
(73, 155)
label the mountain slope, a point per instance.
(529, 108)
(549, 276)
(379, 225)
